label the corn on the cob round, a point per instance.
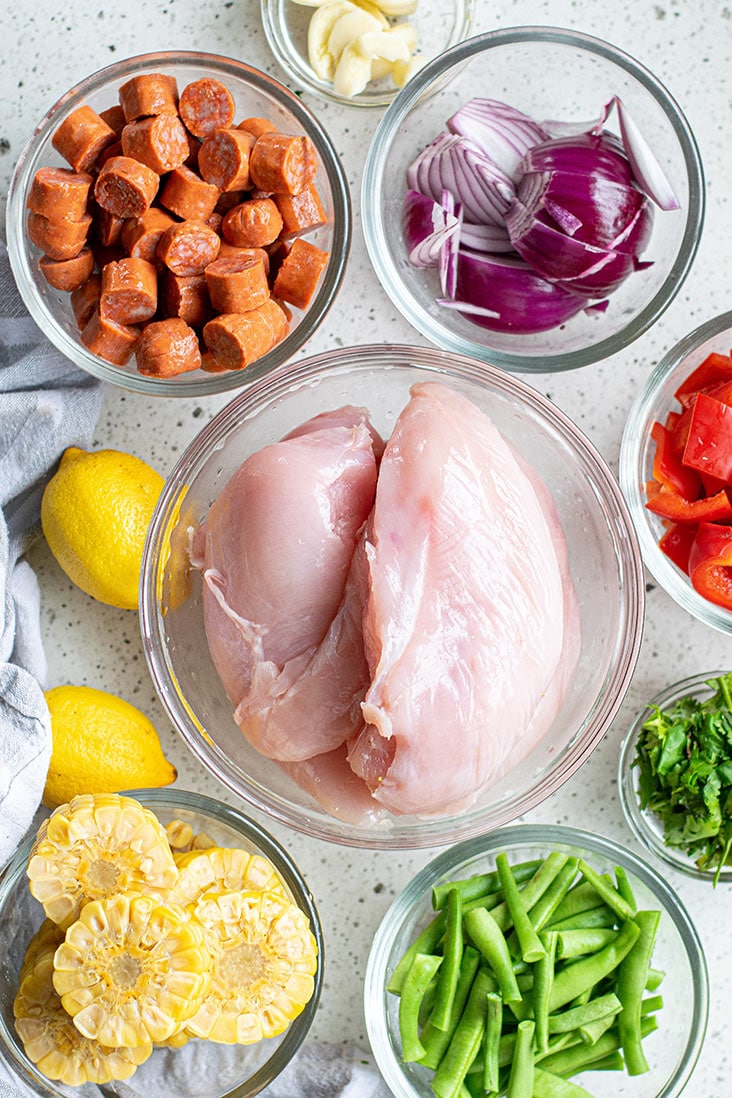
(97, 846)
(264, 960)
(222, 869)
(132, 969)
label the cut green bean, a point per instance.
(471, 888)
(531, 948)
(605, 889)
(625, 888)
(492, 1042)
(425, 942)
(521, 1079)
(591, 1032)
(612, 1062)
(583, 897)
(465, 1042)
(577, 943)
(632, 976)
(487, 937)
(601, 1007)
(541, 992)
(652, 1004)
(547, 1085)
(533, 889)
(654, 979)
(576, 978)
(452, 952)
(435, 1040)
(581, 1057)
(421, 972)
(544, 909)
(586, 920)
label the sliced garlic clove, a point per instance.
(408, 33)
(319, 29)
(402, 71)
(380, 68)
(347, 28)
(397, 7)
(382, 44)
(373, 9)
(352, 73)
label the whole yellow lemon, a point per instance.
(100, 744)
(95, 513)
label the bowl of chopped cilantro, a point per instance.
(675, 776)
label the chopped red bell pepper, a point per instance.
(710, 563)
(680, 430)
(676, 543)
(668, 468)
(670, 505)
(722, 391)
(713, 369)
(709, 445)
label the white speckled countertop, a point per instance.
(48, 46)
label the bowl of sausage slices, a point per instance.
(178, 223)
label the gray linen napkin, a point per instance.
(46, 404)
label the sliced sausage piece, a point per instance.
(167, 348)
(126, 187)
(227, 250)
(237, 284)
(186, 297)
(229, 199)
(111, 341)
(223, 159)
(68, 274)
(115, 118)
(160, 142)
(237, 339)
(107, 227)
(81, 137)
(206, 106)
(299, 273)
(300, 213)
(85, 300)
(58, 193)
(214, 221)
(188, 247)
(189, 196)
(141, 235)
(277, 316)
(107, 154)
(129, 291)
(210, 365)
(252, 224)
(60, 239)
(149, 93)
(283, 163)
(257, 126)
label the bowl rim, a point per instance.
(630, 473)
(638, 819)
(184, 385)
(304, 76)
(442, 364)
(448, 863)
(188, 800)
(372, 217)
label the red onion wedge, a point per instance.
(584, 153)
(504, 294)
(427, 227)
(648, 173)
(457, 165)
(501, 132)
(449, 254)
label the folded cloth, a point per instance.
(46, 404)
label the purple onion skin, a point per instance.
(526, 302)
(586, 154)
(604, 210)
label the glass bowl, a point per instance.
(439, 26)
(653, 402)
(198, 1069)
(255, 94)
(603, 560)
(646, 825)
(548, 73)
(672, 1051)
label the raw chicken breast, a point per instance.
(465, 615)
(276, 550)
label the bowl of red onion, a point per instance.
(533, 198)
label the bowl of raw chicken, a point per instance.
(391, 596)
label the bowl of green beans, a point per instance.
(536, 962)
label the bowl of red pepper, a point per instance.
(676, 472)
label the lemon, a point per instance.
(100, 744)
(95, 513)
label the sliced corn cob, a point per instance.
(222, 869)
(48, 936)
(180, 836)
(264, 959)
(131, 970)
(96, 846)
(50, 1039)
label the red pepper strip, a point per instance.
(680, 430)
(671, 420)
(710, 563)
(670, 505)
(722, 391)
(714, 368)
(709, 445)
(676, 543)
(667, 466)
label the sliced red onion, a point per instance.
(427, 226)
(504, 294)
(501, 132)
(449, 256)
(585, 154)
(648, 173)
(455, 164)
(485, 238)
